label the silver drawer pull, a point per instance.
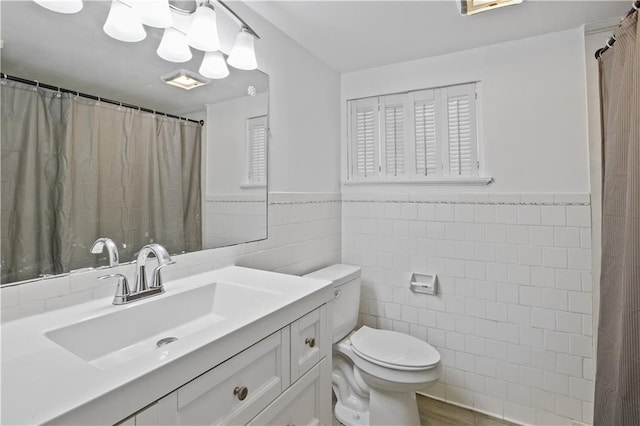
(311, 341)
(241, 392)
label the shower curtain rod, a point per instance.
(95, 98)
(635, 6)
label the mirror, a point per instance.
(226, 188)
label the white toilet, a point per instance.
(375, 372)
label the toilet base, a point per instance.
(393, 408)
(350, 417)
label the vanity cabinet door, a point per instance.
(302, 404)
(162, 412)
(238, 389)
(308, 342)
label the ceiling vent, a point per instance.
(185, 79)
(470, 7)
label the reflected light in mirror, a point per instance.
(203, 33)
(214, 66)
(154, 13)
(173, 47)
(61, 6)
(184, 79)
(123, 24)
(243, 55)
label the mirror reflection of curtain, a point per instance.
(617, 393)
(74, 170)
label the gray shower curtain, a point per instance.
(617, 396)
(74, 169)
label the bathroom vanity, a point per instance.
(244, 347)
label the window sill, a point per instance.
(248, 185)
(439, 181)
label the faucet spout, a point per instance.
(99, 245)
(163, 257)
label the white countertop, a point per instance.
(44, 383)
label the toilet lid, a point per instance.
(394, 350)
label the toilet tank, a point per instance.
(346, 293)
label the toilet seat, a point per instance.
(393, 350)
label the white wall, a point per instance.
(532, 104)
(303, 113)
(226, 143)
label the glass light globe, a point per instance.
(203, 33)
(61, 6)
(214, 66)
(123, 24)
(173, 46)
(243, 55)
(154, 13)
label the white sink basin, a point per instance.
(109, 340)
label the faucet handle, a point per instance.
(156, 278)
(122, 290)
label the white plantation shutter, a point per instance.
(257, 149)
(461, 143)
(420, 135)
(426, 131)
(394, 134)
(364, 138)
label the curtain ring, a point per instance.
(611, 41)
(35, 89)
(636, 5)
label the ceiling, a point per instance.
(352, 35)
(72, 51)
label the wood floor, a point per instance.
(438, 413)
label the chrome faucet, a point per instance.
(99, 245)
(163, 258)
(142, 290)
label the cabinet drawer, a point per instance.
(308, 342)
(238, 389)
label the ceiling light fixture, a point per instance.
(243, 55)
(61, 6)
(126, 18)
(173, 46)
(470, 7)
(184, 79)
(214, 66)
(123, 23)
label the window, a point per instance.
(419, 136)
(256, 134)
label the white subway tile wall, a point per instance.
(513, 315)
(230, 219)
(304, 235)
